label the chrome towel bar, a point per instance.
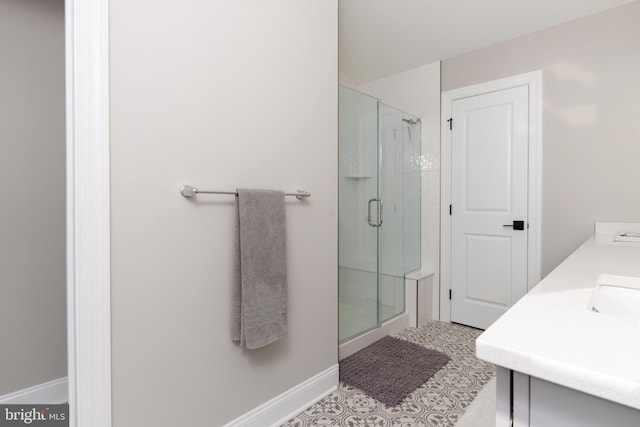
(190, 191)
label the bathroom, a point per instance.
(189, 107)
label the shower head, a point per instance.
(411, 121)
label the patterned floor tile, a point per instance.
(439, 402)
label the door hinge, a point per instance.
(450, 123)
(449, 293)
(450, 209)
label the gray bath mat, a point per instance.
(390, 368)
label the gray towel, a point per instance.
(259, 315)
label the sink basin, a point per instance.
(617, 295)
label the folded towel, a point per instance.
(259, 315)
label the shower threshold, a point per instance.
(388, 327)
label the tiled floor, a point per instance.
(482, 411)
(441, 401)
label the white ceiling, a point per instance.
(379, 38)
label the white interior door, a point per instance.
(489, 194)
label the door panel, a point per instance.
(489, 283)
(489, 190)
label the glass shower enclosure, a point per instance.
(378, 209)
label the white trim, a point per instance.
(88, 233)
(411, 301)
(414, 298)
(534, 81)
(53, 392)
(293, 401)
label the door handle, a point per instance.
(369, 213)
(377, 224)
(517, 225)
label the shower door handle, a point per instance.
(369, 213)
(377, 224)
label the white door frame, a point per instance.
(534, 81)
(88, 232)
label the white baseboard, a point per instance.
(52, 392)
(293, 401)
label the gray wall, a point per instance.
(591, 119)
(219, 95)
(32, 184)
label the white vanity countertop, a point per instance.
(550, 333)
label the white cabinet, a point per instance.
(512, 398)
(590, 361)
(533, 402)
(554, 405)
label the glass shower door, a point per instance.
(358, 246)
(378, 210)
